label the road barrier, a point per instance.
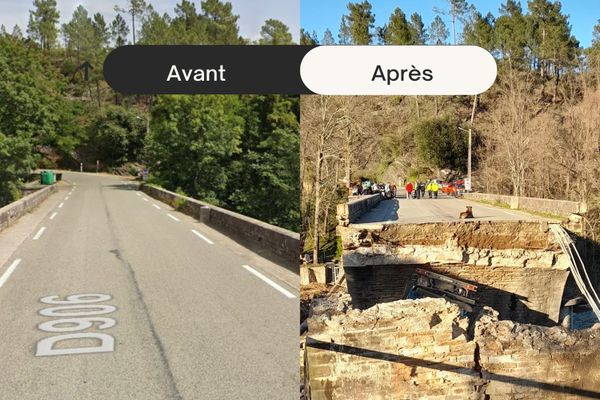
(555, 207)
(350, 212)
(15, 210)
(276, 241)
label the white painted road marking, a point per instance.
(172, 217)
(66, 198)
(53, 215)
(138, 193)
(155, 206)
(201, 236)
(60, 205)
(9, 271)
(39, 233)
(145, 199)
(269, 282)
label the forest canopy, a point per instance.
(238, 152)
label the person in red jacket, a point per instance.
(409, 190)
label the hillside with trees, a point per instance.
(238, 152)
(536, 132)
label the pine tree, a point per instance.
(119, 31)
(397, 31)
(344, 35)
(417, 29)
(222, 23)
(308, 39)
(459, 10)
(17, 33)
(480, 31)
(328, 39)
(438, 33)
(510, 32)
(135, 8)
(360, 22)
(101, 31)
(275, 32)
(42, 23)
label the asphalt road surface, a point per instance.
(173, 309)
(443, 209)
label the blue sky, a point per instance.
(319, 15)
(253, 13)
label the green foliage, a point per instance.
(398, 31)
(307, 38)
(117, 136)
(17, 160)
(267, 170)
(179, 203)
(441, 144)
(191, 142)
(42, 23)
(438, 33)
(328, 39)
(417, 29)
(275, 32)
(119, 31)
(360, 20)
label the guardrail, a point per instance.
(277, 241)
(15, 210)
(556, 207)
(348, 213)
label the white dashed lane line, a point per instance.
(66, 198)
(9, 271)
(269, 282)
(53, 215)
(39, 233)
(145, 199)
(173, 217)
(155, 206)
(60, 205)
(201, 236)
(138, 193)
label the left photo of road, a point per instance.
(148, 244)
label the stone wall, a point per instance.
(350, 212)
(550, 206)
(399, 350)
(10, 213)
(421, 349)
(278, 241)
(532, 362)
(518, 267)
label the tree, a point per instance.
(275, 32)
(80, 34)
(440, 144)
(42, 23)
(480, 31)
(360, 22)
(135, 8)
(192, 141)
(511, 32)
(438, 33)
(417, 30)
(344, 35)
(328, 39)
(307, 38)
(458, 11)
(117, 136)
(101, 31)
(119, 31)
(156, 29)
(222, 23)
(16, 158)
(397, 31)
(17, 33)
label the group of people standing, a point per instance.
(418, 189)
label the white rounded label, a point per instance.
(398, 70)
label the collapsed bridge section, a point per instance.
(518, 267)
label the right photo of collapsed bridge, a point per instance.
(450, 244)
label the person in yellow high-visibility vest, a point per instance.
(435, 188)
(428, 188)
